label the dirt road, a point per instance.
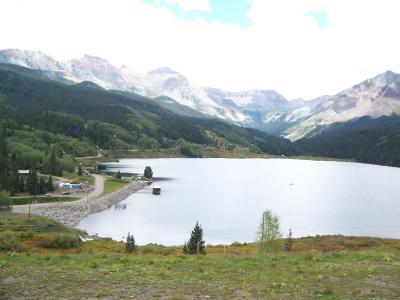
(70, 213)
(96, 193)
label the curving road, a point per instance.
(98, 187)
(86, 157)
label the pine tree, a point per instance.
(54, 164)
(42, 186)
(49, 184)
(118, 176)
(21, 184)
(4, 160)
(148, 172)
(289, 241)
(5, 201)
(80, 170)
(196, 244)
(14, 178)
(130, 243)
(33, 184)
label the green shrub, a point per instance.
(3, 264)
(26, 234)
(94, 264)
(155, 249)
(8, 242)
(67, 241)
(62, 241)
(5, 201)
(236, 244)
(46, 242)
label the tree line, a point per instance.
(14, 182)
(268, 237)
(114, 120)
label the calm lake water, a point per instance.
(228, 196)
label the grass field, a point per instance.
(75, 177)
(350, 275)
(44, 265)
(110, 155)
(113, 184)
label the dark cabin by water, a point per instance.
(156, 190)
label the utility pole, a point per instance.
(29, 211)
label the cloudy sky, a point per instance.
(301, 48)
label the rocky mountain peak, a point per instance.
(163, 71)
(30, 59)
(95, 60)
(92, 62)
(383, 85)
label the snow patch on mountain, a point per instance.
(264, 109)
(375, 97)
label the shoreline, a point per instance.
(71, 213)
(115, 155)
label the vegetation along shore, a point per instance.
(39, 252)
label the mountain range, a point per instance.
(266, 110)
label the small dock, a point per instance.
(156, 190)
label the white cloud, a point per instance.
(189, 5)
(283, 49)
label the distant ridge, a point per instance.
(266, 110)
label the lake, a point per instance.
(228, 196)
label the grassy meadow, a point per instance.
(112, 184)
(40, 258)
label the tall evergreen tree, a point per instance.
(14, 178)
(130, 243)
(289, 241)
(5, 201)
(21, 184)
(33, 183)
(80, 170)
(42, 186)
(49, 184)
(55, 168)
(196, 244)
(148, 172)
(4, 160)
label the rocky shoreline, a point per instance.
(71, 213)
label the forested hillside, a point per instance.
(41, 114)
(365, 140)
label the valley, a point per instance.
(199, 149)
(266, 110)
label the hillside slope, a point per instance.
(266, 110)
(368, 140)
(111, 119)
(375, 97)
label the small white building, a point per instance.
(68, 185)
(23, 172)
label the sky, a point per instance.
(300, 48)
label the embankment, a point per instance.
(71, 213)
